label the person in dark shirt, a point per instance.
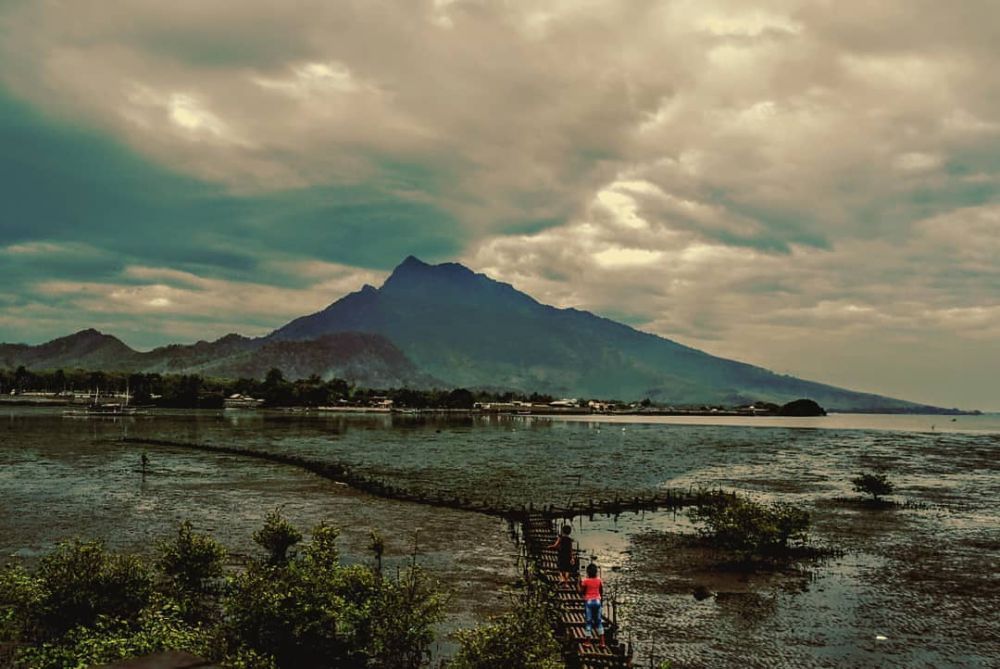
(565, 558)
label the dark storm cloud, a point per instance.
(72, 185)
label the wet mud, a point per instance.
(914, 584)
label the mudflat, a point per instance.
(908, 585)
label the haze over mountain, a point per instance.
(446, 326)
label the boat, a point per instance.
(99, 409)
(103, 410)
(238, 401)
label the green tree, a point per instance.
(460, 398)
(58, 384)
(276, 537)
(519, 639)
(337, 389)
(875, 485)
(311, 611)
(749, 527)
(191, 569)
(306, 611)
(22, 379)
(311, 391)
(21, 598)
(111, 639)
(275, 390)
(81, 581)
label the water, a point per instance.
(923, 577)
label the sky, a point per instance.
(813, 187)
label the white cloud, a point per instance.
(161, 292)
(625, 257)
(915, 161)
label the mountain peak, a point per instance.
(412, 261)
(414, 270)
(232, 337)
(87, 335)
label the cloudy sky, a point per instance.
(809, 186)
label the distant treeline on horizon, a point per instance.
(193, 391)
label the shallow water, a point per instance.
(924, 577)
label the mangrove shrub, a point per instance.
(875, 485)
(519, 639)
(84, 606)
(751, 528)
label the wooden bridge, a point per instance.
(580, 650)
(538, 529)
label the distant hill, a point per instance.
(474, 331)
(366, 359)
(88, 348)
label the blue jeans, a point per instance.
(592, 616)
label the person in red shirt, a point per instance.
(592, 589)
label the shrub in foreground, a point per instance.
(156, 628)
(191, 568)
(314, 612)
(84, 606)
(520, 639)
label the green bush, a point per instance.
(21, 597)
(277, 536)
(313, 612)
(109, 639)
(752, 528)
(875, 485)
(81, 580)
(191, 569)
(83, 606)
(519, 639)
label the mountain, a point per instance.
(470, 330)
(88, 348)
(446, 326)
(364, 358)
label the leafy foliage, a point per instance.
(751, 528)
(193, 390)
(109, 639)
(875, 485)
(81, 581)
(21, 597)
(313, 612)
(191, 568)
(277, 536)
(84, 606)
(519, 639)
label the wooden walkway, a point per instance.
(538, 531)
(580, 650)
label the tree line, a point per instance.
(197, 391)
